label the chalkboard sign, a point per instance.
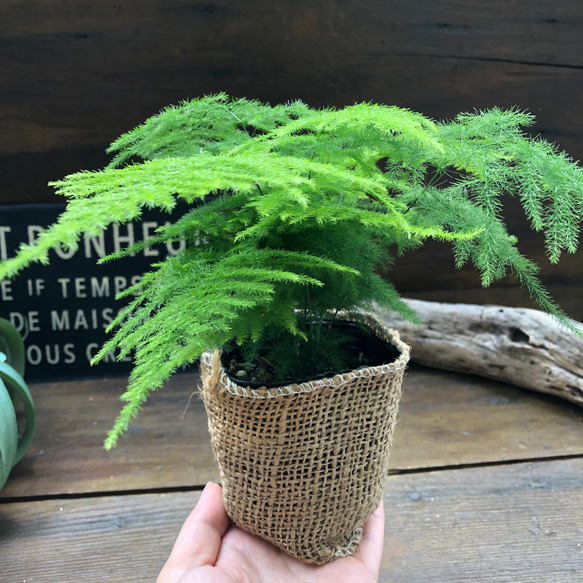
(63, 309)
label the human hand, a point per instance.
(211, 550)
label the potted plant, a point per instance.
(13, 390)
(292, 213)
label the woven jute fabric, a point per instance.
(304, 465)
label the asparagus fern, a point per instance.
(293, 211)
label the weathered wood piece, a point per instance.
(494, 524)
(524, 347)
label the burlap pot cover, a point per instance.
(304, 465)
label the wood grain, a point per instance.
(168, 446)
(497, 524)
(568, 296)
(75, 75)
(119, 538)
(446, 419)
(450, 419)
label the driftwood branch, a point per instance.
(523, 347)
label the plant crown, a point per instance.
(292, 213)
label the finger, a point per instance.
(370, 550)
(199, 540)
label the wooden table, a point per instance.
(487, 485)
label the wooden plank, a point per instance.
(450, 419)
(498, 524)
(430, 273)
(120, 538)
(446, 419)
(535, 32)
(567, 296)
(468, 29)
(438, 87)
(103, 102)
(75, 75)
(168, 446)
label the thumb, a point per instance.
(199, 540)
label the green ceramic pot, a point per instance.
(12, 390)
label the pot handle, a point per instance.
(12, 345)
(17, 389)
(12, 363)
(8, 434)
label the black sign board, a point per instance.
(63, 309)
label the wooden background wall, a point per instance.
(74, 74)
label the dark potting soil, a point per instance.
(364, 348)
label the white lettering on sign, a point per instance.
(170, 246)
(126, 239)
(98, 244)
(82, 319)
(35, 286)
(64, 253)
(6, 291)
(83, 287)
(64, 281)
(100, 289)
(60, 321)
(63, 310)
(50, 354)
(147, 233)
(93, 348)
(25, 323)
(80, 287)
(3, 246)
(33, 232)
(95, 246)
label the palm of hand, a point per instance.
(209, 550)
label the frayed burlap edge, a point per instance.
(292, 467)
(214, 373)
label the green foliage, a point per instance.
(294, 211)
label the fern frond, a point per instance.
(501, 159)
(205, 306)
(211, 124)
